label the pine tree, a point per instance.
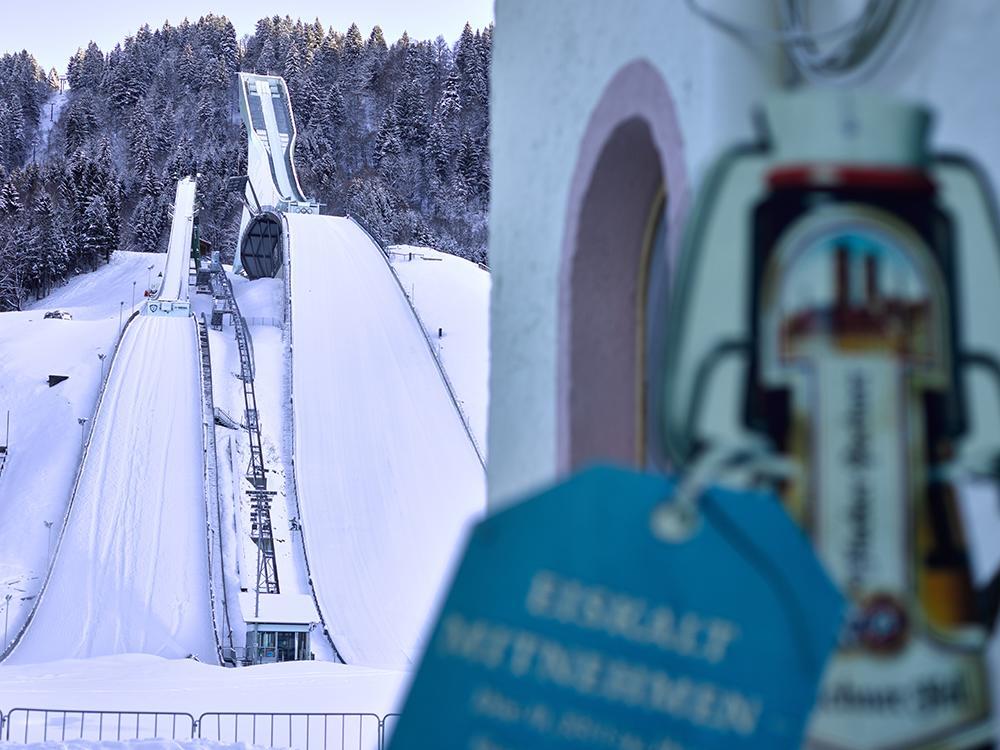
(293, 64)
(267, 63)
(15, 268)
(354, 48)
(468, 165)
(91, 69)
(81, 123)
(10, 201)
(140, 141)
(124, 83)
(388, 147)
(97, 233)
(187, 67)
(148, 223)
(411, 114)
(15, 131)
(376, 41)
(48, 249)
(437, 152)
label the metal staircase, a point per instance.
(223, 625)
(260, 498)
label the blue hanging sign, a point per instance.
(571, 623)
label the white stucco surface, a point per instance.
(552, 62)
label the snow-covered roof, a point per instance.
(284, 609)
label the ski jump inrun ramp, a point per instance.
(386, 474)
(130, 570)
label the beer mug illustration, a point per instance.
(856, 370)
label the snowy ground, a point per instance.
(148, 683)
(131, 569)
(45, 436)
(137, 682)
(387, 476)
(451, 296)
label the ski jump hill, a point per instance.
(130, 569)
(386, 473)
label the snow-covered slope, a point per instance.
(46, 439)
(451, 296)
(130, 572)
(386, 474)
(175, 275)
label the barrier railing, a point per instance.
(335, 731)
(298, 731)
(388, 727)
(265, 321)
(29, 725)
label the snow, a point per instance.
(130, 571)
(45, 438)
(386, 474)
(99, 294)
(452, 294)
(280, 608)
(262, 300)
(175, 275)
(50, 113)
(138, 682)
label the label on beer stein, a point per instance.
(855, 328)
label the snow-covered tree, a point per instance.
(98, 238)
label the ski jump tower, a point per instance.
(272, 185)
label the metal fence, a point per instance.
(341, 731)
(28, 725)
(388, 727)
(300, 731)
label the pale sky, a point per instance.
(52, 30)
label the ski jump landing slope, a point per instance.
(387, 476)
(130, 572)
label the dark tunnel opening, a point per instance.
(260, 249)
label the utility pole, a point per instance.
(133, 294)
(83, 429)
(121, 309)
(6, 617)
(48, 525)
(101, 356)
(149, 276)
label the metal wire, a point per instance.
(881, 26)
(842, 55)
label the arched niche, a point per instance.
(628, 192)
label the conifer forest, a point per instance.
(395, 133)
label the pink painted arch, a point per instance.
(631, 151)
